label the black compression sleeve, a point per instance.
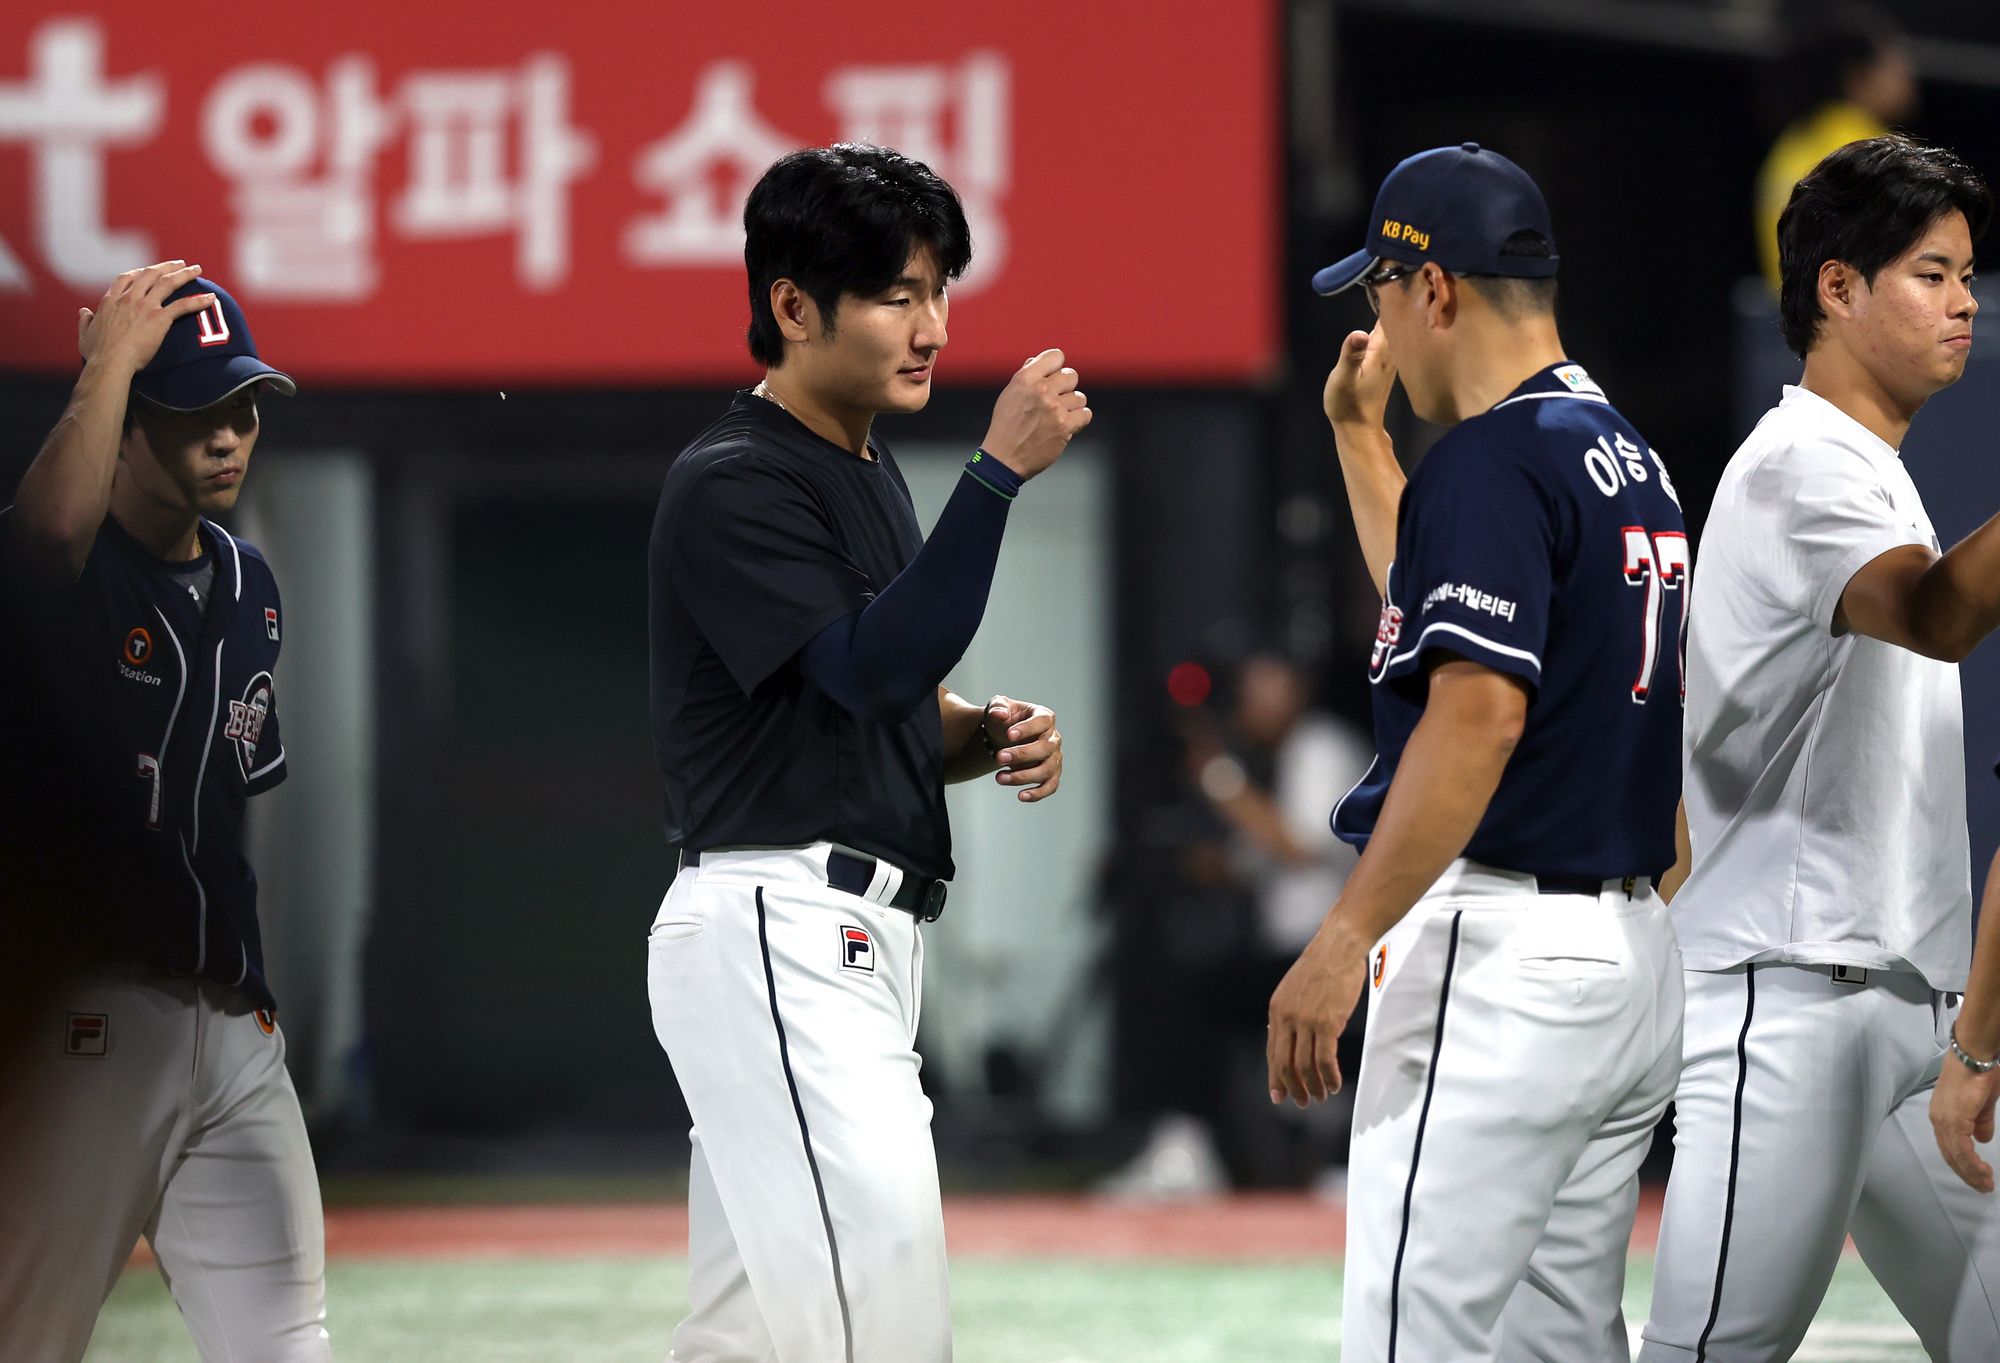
(886, 659)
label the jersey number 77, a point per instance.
(1660, 563)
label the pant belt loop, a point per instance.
(888, 879)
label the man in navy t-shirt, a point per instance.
(1525, 989)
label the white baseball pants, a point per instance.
(160, 1108)
(789, 1010)
(1803, 1116)
(1521, 1047)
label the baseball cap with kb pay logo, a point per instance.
(1457, 206)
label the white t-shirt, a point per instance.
(1824, 775)
(1318, 759)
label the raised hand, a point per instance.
(1357, 391)
(133, 316)
(1039, 410)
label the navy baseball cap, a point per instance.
(1456, 206)
(206, 356)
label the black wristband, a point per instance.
(993, 475)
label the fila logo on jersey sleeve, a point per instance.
(214, 326)
(857, 949)
(271, 622)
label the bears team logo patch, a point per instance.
(1388, 633)
(138, 648)
(857, 949)
(246, 721)
(86, 1034)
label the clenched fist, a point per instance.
(1040, 409)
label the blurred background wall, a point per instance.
(503, 262)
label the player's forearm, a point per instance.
(1956, 601)
(1374, 491)
(966, 756)
(1444, 781)
(1979, 1020)
(885, 660)
(66, 493)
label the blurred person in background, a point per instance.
(1846, 76)
(154, 1100)
(1267, 775)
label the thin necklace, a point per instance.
(763, 390)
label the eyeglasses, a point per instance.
(1388, 275)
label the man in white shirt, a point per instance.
(1826, 924)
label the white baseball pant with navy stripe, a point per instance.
(1521, 1048)
(1803, 1117)
(159, 1107)
(789, 1010)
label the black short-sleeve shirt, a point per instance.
(765, 535)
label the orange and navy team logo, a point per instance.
(1381, 964)
(138, 648)
(857, 949)
(86, 1034)
(267, 1021)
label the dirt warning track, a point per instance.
(1239, 1227)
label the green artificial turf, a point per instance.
(1007, 1310)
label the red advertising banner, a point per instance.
(423, 193)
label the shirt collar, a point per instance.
(1563, 380)
(1804, 400)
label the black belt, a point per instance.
(1590, 885)
(918, 896)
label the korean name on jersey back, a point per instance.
(1544, 539)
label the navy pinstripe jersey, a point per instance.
(1543, 538)
(174, 725)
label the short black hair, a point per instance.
(1511, 296)
(136, 406)
(841, 220)
(1864, 205)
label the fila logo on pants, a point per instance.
(86, 1034)
(857, 949)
